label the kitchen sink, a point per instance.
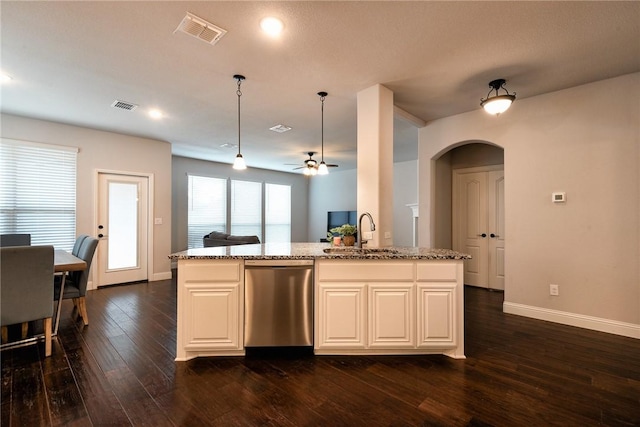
(359, 251)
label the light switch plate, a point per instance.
(559, 197)
(157, 221)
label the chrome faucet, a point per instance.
(359, 231)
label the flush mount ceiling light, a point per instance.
(155, 114)
(239, 163)
(497, 104)
(272, 26)
(280, 128)
(5, 78)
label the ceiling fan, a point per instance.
(311, 165)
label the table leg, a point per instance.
(57, 322)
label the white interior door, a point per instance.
(478, 224)
(123, 205)
(496, 228)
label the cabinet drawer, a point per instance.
(209, 271)
(436, 271)
(365, 271)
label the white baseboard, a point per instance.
(165, 275)
(572, 319)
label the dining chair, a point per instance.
(78, 243)
(75, 286)
(15, 240)
(27, 288)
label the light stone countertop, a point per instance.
(314, 251)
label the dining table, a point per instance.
(63, 263)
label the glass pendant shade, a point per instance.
(323, 169)
(239, 163)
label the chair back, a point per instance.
(27, 283)
(15, 240)
(78, 243)
(86, 252)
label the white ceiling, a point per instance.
(71, 60)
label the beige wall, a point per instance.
(100, 150)
(584, 141)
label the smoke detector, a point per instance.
(200, 29)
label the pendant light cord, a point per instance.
(322, 125)
(239, 93)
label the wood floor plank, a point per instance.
(518, 372)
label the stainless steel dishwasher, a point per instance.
(278, 303)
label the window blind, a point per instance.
(38, 192)
(277, 213)
(246, 208)
(207, 208)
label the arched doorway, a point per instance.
(477, 161)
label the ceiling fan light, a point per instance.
(498, 104)
(239, 163)
(323, 169)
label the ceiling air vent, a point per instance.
(124, 105)
(201, 29)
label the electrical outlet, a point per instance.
(554, 290)
(367, 235)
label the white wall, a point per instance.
(584, 141)
(182, 166)
(405, 191)
(107, 151)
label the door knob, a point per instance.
(494, 235)
(483, 235)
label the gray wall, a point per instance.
(584, 141)
(183, 166)
(113, 152)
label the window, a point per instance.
(238, 211)
(207, 210)
(277, 217)
(246, 208)
(38, 192)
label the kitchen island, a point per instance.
(392, 300)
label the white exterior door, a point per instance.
(478, 224)
(123, 211)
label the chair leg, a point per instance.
(5, 334)
(47, 336)
(25, 330)
(82, 308)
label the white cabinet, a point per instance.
(210, 308)
(391, 317)
(342, 320)
(389, 307)
(436, 314)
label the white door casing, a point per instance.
(122, 228)
(478, 224)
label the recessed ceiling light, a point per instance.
(5, 78)
(272, 26)
(228, 145)
(155, 114)
(280, 128)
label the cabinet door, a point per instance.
(341, 316)
(211, 317)
(436, 315)
(391, 315)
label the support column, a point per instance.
(375, 163)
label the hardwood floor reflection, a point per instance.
(119, 370)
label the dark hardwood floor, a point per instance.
(119, 370)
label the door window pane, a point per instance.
(123, 226)
(207, 208)
(277, 213)
(246, 208)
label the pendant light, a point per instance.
(239, 163)
(499, 103)
(322, 168)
